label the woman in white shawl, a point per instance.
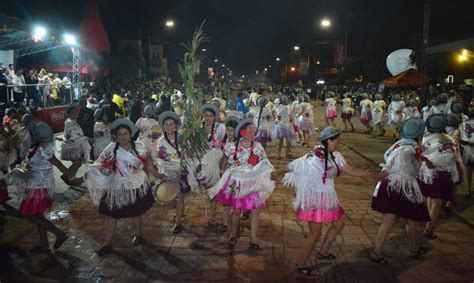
(283, 130)
(306, 124)
(378, 113)
(467, 148)
(102, 132)
(149, 130)
(395, 113)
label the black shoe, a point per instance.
(138, 240)
(245, 216)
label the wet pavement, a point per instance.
(200, 253)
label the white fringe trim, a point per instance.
(23, 180)
(407, 186)
(210, 170)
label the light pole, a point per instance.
(326, 24)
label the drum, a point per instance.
(167, 191)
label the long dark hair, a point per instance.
(175, 138)
(328, 154)
(232, 124)
(238, 139)
(117, 144)
(213, 124)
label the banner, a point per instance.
(339, 53)
(304, 68)
(158, 63)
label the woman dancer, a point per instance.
(247, 182)
(36, 184)
(316, 201)
(365, 112)
(395, 114)
(398, 193)
(331, 112)
(283, 130)
(306, 124)
(169, 162)
(262, 117)
(149, 130)
(411, 111)
(118, 183)
(221, 197)
(439, 175)
(347, 111)
(75, 146)
(102, 132)
(467, 148)
(377, 110)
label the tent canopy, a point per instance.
(409, 78)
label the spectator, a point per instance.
(19, 81)
(86, 118)
(112, 109)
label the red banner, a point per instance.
(339, 53)
(53, 116)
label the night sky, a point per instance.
(248, 34)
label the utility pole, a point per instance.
(424, 57)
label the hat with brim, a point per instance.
(284, 100)
(234, 119)
(397, 97)
(412, 128)
(443, 98)
(149, 111)
(411, 102)
(378, 96)
(168, 115)
(125, 122)
(231, 104)
(456, 108)
(216, 103)
(42, 132)
(26, 119)
(307, 98)
(244, 123)
(261, 101)
(329, 132)
(436, 123)
(452, 120)
(98, 114)
(210, 108)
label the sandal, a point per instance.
(307, 271)
(232, 241)
(60, 241)
(104, 250)
(138, 240)
(423, 249)
(374, 257)
(255, 247)
(40, 250)
(177, 229)
(223, 229)
(211, 222)
(329, 256)
(429, 235)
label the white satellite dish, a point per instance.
(399, 61)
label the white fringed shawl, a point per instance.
(440, 149)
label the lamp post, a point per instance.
(326, 24)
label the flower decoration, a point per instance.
(253, 159)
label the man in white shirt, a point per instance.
(19, 81)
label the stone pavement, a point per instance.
(201, 254)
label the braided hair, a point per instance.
(232, 124)
(175, 138)
(117, 144)
(238, 139)
(328, 155)
(213, 124)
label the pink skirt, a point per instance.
(320, 216)
(246, 203)
(37, 203)
(366, 117)
(331, 114)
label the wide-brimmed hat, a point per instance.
(411, 102)
(452, 120)
(216, 103)
(443, 98)
(306, 98)
(365, 95)
(210, 108)
(284, 100)
(127, 122)
(244, 123)
(231, 104)
(98, 114)
(168, 115)
(412, 128)
(42, 132)
(432, 102)
(329, 132)
(149, 111)
(71, 109)
(436, 123)
(27, 118)
(378, 96)
(234, 119)
(456, 108)
(397, 97)
(261, 101)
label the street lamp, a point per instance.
(278, 59)
(169, 23)
(223, 65)
(296, 48)
(325, 23)
(38, 33)
(215, 60)
(204, 50)
(70, 39)
(292, 69)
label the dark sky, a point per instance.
(249, 34)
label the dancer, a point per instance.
(395, 114)
(283, 130)
(365, 112)
(75, 146)
(232, 109)
(377, 113)
(169, 162)
(295, 109)
(331, 112)
(347, 111)
(397, 193)
(35, 184)
(411, 111)
(118, 183)
(209, 174)
(439, 175)
(263, 120)
(306, 124)
(467, 148)
(149, 130)
(229, 140)
(102, 132)
(316, 201)
(247, 183)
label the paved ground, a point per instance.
(201, 254)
